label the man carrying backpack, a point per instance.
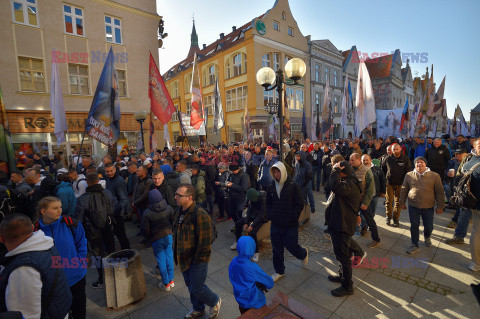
(41, 187)
(95, 212)
(79, 184)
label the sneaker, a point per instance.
(396, 223)
(389, 221)
(363, 232)
(234, 246)
(455, 240)
(276, 276)
(228, 219)
(305, 260)
(474, 267)
(413, 249)
(428, 242)
(452, 224)
(341, 292)
(373, 244)
(194, 314)
(164, 287)
(357, 260)
(334, 278)
(171, 284)
(220, 219)
(98, 285)
(214, 311)
(313, 212)
(255, 258)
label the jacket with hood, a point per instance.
(167, 193)
(241, 184)
(157, 221)
(198, 181)
(257, 211)
(467, 164)
(28, 277)
(244, 274)
(89, 205)
(284, 199)
(45, 188)
(65, 192)
(116, 185)
(343, 203)
(185, 177)
(72, 245)
(79, 185)
(303, 170)
(264, 177)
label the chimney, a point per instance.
(222, 35)
(204, 45)
(234, 28)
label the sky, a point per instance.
(447, 31)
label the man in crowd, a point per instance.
(159, 183)
(395, 167)
(303, 176)
(185, 175)
(264, 177)
(437, 158)
(237, 184)
(367, 184)
(116, 185)
(284, 205)
(87, 162)
(380, 181)
(317, 155)
(28, 282)
(140, 194)
(424, 190)
(192, 250)
(79, 184)
(198, 181)
(41, 187)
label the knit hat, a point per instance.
(252, 195)
(420, 158)
(146, 162)
(154, 196)
(347, 168)
(166, 168)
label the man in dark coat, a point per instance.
(160, 183)
(237, 186)
(438, 157)
(284, 205)
(341, 218)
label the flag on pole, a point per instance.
(365, 113)
(326, 112)
(346, 103)
(413, 119)
(166, 136)
(286, 114)
(197, 112)
(318, 130)
(218, 121)
(428, 98)
(160, 101)
(312, 127)
(56, 105)
(404, 121)
(7, 153)
(153, 139)
(103, 121)
(246, 123)
(304, 125)
(438, 100)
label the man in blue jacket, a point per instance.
(116, 185)
(247, 278)
(303, 177)
(64, 191)
(264, 177)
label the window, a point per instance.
(283, 15)
(290, 31)
(287, 58)
(113, 30)
(335, 105)
(175, 115)
(189, 107)
(78, 75)
(239, 65)
(73, 20)
(270, 97)
(236, 98)
(32, 77)
(276, 26)
(290, 98)
(326, 75)
(208, 104)
(317, 102)
(266, 60)
(122, 83)
(299, 100)
(25, 11)
(188, 83)
(317, 73)
(209, 74)
(335, 78)
(174, 90)
(295, 100)
(276, 61)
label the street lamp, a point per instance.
(140, 117)
(294, 69)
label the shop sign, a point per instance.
(42, 122)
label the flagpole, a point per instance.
(81, 145)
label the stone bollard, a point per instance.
(124, 279)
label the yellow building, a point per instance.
(268, 40)
(81, 33)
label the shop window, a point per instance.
(73, 17)
(78, 75)
(32, 76)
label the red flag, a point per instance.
(160, 101)
(196, 115)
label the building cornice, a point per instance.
(125, 7)
(284, 47)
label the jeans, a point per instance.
(369, 216)
(462, 223)
(200, 294)
(235, 208)
(475, 238)
(285, 238)
(427, 218)
(162, 249)
(119, 231)
(308, 194)
(98, 239)
(344, 248)
(392, 200)
(239, 230)
(317, 176)
(210, 199)
(79, 301)
(456, 215)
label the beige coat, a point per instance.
(422, 190)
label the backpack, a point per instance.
(100, 209)
(462, 195)
(78, 182)
(72, 223)
(212, 227)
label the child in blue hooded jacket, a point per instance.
(244, 276)
(69, 239)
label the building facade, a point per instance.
(77, 35)
(234, 58)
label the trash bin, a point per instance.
(124, 279)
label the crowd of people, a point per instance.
(176, 196)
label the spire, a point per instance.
(194, 36)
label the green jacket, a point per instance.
(192, 239)
(198, 181)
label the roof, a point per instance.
(380, 67)
(405, 73)
(347, 56)
(228, 41)
(476, 108)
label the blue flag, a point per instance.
(103, 121)
(304, 125)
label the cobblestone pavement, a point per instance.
(434, 283)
